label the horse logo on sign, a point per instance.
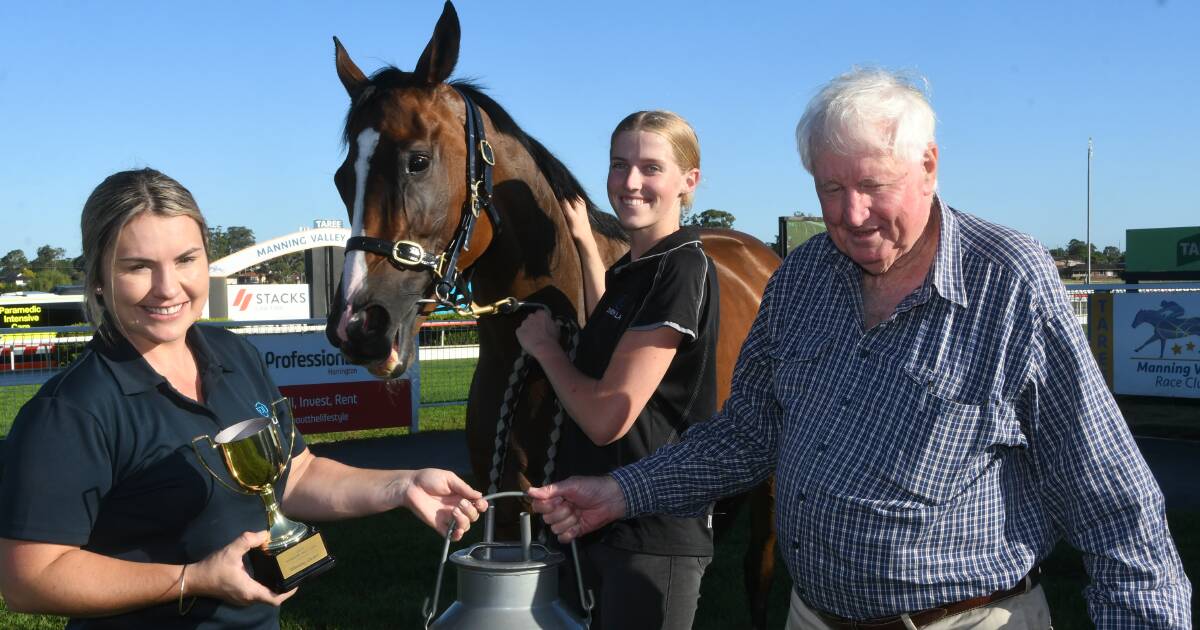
(1169, 323)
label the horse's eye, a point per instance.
(417, 162)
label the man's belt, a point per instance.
(930, 615)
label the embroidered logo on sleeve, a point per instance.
(262, 409)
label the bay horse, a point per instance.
(443, 187)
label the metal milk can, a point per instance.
(506, 585)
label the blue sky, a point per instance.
(240, 102)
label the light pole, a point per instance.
(1089, 213)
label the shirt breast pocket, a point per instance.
(940, 446)
(797, 363)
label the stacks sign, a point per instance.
(325, 236)
(329, 394)
(260, 302)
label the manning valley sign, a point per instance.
(1156, 348)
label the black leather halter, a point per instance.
(444, 266)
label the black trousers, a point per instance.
(635, 591)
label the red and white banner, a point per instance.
(329, 394)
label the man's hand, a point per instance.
(579, 505)
(438, 496)
(223, 576)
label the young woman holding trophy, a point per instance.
(110, 512)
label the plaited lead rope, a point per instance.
(560, 414)
(516, 380)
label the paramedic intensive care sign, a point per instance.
(1156, 345)
(329, 394)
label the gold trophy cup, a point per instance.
(255, 458)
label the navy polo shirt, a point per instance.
(673, 284)
(101, 458)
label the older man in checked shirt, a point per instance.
(918, 384)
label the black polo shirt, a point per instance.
(673, 284)
(101, 458)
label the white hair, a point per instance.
(867, 111)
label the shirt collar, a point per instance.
(946, 273)
(131, 371)
(683, 237)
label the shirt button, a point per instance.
(864, 353)
(796, 545)
(802, 497)
(821, 448)
(845, 401)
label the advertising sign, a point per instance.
(1100, 332)
(35, 310)
(260, 302)
(1163, 253)
(1156, 350)
(329, 394)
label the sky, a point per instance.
(240, 102)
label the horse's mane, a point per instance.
(562, 181)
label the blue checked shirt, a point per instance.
(938, 456)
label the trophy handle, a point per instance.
(275, 420)
(200, 456)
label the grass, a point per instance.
(387, 566)
(387, 563)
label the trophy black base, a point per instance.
(283, 569)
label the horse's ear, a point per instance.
(441, 53)
(352, 78)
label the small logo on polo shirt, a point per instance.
(614, 311)
(262, 410)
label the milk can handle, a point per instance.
(428, 609)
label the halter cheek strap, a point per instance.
(444, 266)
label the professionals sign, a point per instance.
(1156, 350)
(329, 394)
(258, 302)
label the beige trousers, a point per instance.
(1022, 612)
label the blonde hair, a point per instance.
(112, 205)
(685, 145)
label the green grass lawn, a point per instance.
(387, 565)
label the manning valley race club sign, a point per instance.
(1156, 345)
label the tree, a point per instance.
(48, 257)
(286, 269)
(47, 279)
(711, 218)
(225, 241)
(13, 262)
(1114, 254)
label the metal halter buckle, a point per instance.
(409, 254)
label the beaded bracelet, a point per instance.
(184, 610)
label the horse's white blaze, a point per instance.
(354, 274)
